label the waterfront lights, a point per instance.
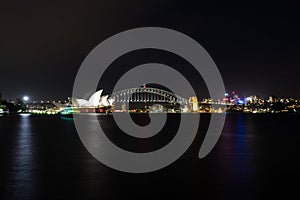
(25, 98)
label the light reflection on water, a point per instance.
(23, 159)
(236, 151)
(43, 157)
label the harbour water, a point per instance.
(42, 157)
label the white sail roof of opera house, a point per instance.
(93, 101)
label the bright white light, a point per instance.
(25, 98)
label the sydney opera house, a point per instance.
(96, 100)
(96, 103)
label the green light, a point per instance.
(70, 110)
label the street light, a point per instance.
(25, 98)
(24, 104)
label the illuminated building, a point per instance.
(194, 101)
(93, 101)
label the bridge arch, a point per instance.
(148, 94)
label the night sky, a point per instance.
(42, 45)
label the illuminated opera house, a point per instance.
(96, 103)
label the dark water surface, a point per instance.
(42, 157)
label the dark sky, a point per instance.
(255, 46)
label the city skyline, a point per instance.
(145, 99)
(31, 98)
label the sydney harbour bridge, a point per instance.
(147, 95)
